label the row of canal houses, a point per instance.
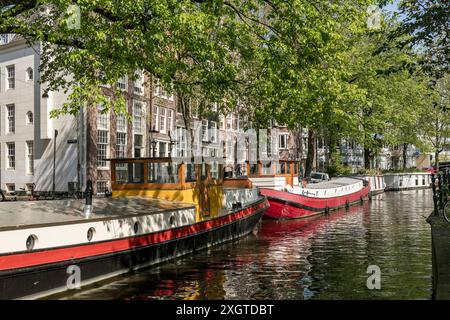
(45, 154)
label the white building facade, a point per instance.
(27, 133)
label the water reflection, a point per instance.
(322, 258)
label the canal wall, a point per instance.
(440, 238)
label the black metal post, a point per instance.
(88, 194)
(435, 196)
(441, 202)
(54, 162)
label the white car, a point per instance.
(319, 177)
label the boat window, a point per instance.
(90, 234)
(163, 172)
(254, 169)
(267, 168)
(281, 167)
(316, 176)
(137, 227)
(214, 167)
(190, 172)
(31, 242)
(203, 172)
(138, 172)
(121, 173)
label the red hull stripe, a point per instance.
(285, 205)
(21, 260)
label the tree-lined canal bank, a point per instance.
(323, 258)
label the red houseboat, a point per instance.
(289, 199)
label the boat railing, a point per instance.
(440, 184)
(162, 173)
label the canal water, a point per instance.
(322, 258)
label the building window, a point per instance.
(29, 159)
(138, 118)
(5, 38)
(102, 119)
(181, 142)
(162, 120)
(102, 187)
(29, 75)
(229, 122)
(213, 131)
(102, 148)
(11, 111)
(122, 83)
(155, 118)
(204, 130)
(162, 149)
(159, 91)
(121, 144)
(169, 120)
(29, 118)
(10, 187)
(138, 146)
(11, 160)
(139, 82)
(11, 77)
(283, 141)
(121, 123)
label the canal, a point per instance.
(323, 258)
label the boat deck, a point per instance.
(26, 213)
(339, 182)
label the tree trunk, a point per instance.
(310, 155)
(366, 158)
(405, 149)
(436, 159)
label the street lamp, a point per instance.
(153, 141)
(54, 161)
(171, 144)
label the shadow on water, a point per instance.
(320, 258)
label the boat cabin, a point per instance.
(201, 184)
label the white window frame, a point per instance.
(121, 123)
(138, 117)
(106, 186)
(280, 140)
(141, 147)
(11, 156)
(102, 119)
(170, 120)
(155, 118)
(10, 77)
(162, 120)
(29, 72)
(29, 121)
(214, 131)
(122, 83)
(121, 144)
(29, 151)
(138, 84)
(102, 149)
(204, 131)
(181, 142)
(10, 118)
